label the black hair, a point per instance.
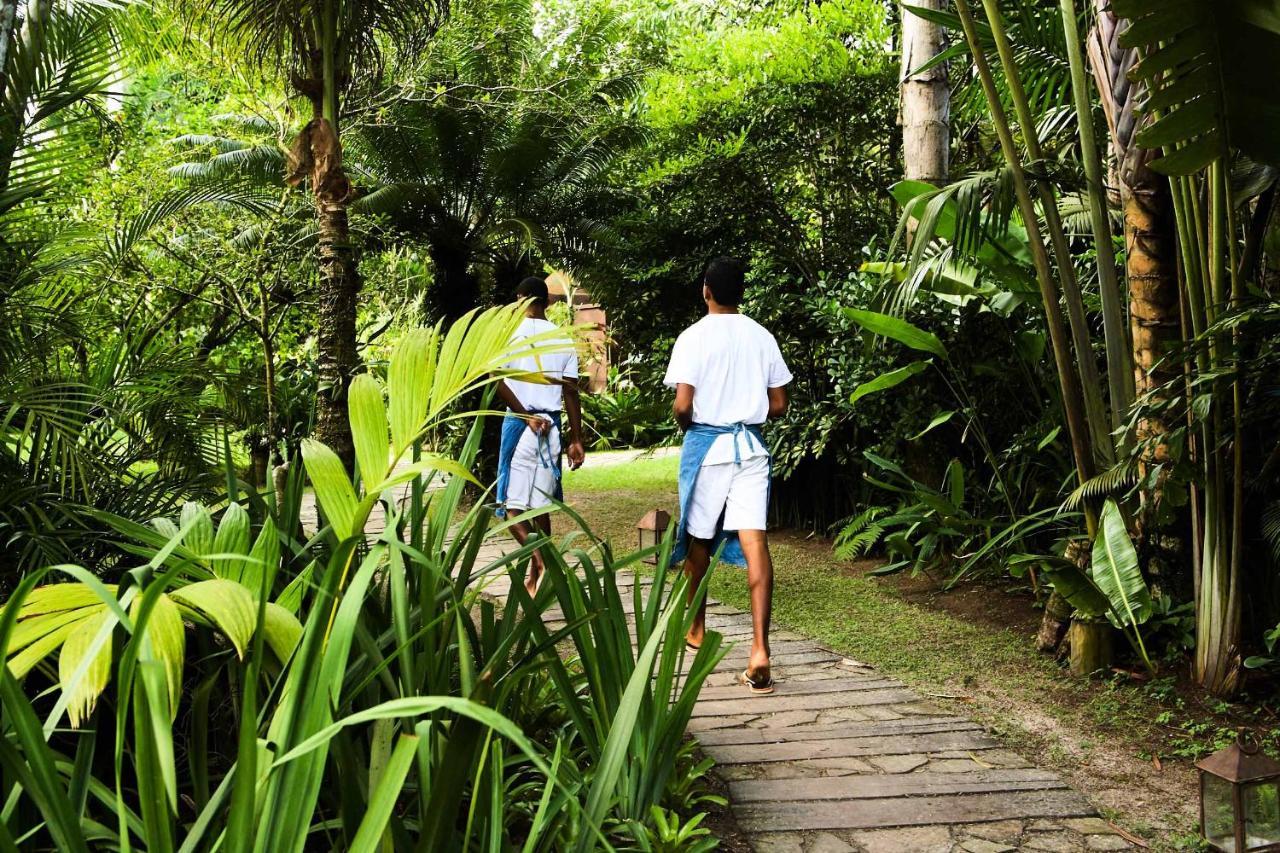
(533, 288)
(726, 278)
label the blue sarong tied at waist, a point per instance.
(698, 440)
(513, 427)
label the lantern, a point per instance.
(1240, 798)
(651, 529)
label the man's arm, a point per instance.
(683, 407)
(573, 407)
(777, 402)
(506, 395)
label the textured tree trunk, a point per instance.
(10, 118)
(316, 155)
(1091, 647)
(8, 23)
(339, 357)
(1151, 267)
(925, 99)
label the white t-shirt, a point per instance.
(536, 396)
(732, 362)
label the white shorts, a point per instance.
(532, 481)
(740, 492)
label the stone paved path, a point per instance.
(844, 758)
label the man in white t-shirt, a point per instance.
(529, 459)
(730, 378)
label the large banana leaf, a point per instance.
(888, 380)
(898, 330)
(1116, 572)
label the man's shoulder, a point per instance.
(755, 329)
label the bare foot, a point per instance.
(533, 579)
(758, 669)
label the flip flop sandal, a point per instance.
(691, 647)
(757, 687)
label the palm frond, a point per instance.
(1209, 71)
(1109, 484)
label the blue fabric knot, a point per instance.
(513, 427)
(698, 439)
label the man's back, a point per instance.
(731, 361)
(555, 366)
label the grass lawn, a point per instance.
(1129, 747)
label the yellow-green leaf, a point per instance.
(199, 526)
(53, 597)
(168, 638)
(31, 630)
(368, 415)
(83, 695)
(232, 538)
(283, 630)
(333, 487)
(409, 379)
(224, 604)
(21, 663)
(264, 559)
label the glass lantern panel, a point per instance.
(1261, 814)
(1219, 812)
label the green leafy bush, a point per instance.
(399, 709)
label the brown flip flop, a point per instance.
(759, 688)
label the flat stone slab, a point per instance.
(881, 785)
(802, 702)
(840, 683)
(886, 729)
(848, 747)
(908, 811)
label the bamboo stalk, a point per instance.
(1119, 356)
(1091, 382)
(1072, 397)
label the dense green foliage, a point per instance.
(1054, 370)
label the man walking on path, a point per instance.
(729, 377)
(529, 455)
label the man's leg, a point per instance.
(747, 511)
(521, 530)
(706, 505)
(530, 486)
(695, 568)
(755, 545)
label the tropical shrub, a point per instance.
(450, 722)
(626, 415)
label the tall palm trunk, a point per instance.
(8, 23)
(317, 156)
(33, 36)
(1151, 252)
(925, 99)
(339, 356)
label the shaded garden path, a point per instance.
(845, 758)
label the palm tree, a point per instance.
(327, 49)
(497, 158)
(1210, 71)
(1151, 260)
